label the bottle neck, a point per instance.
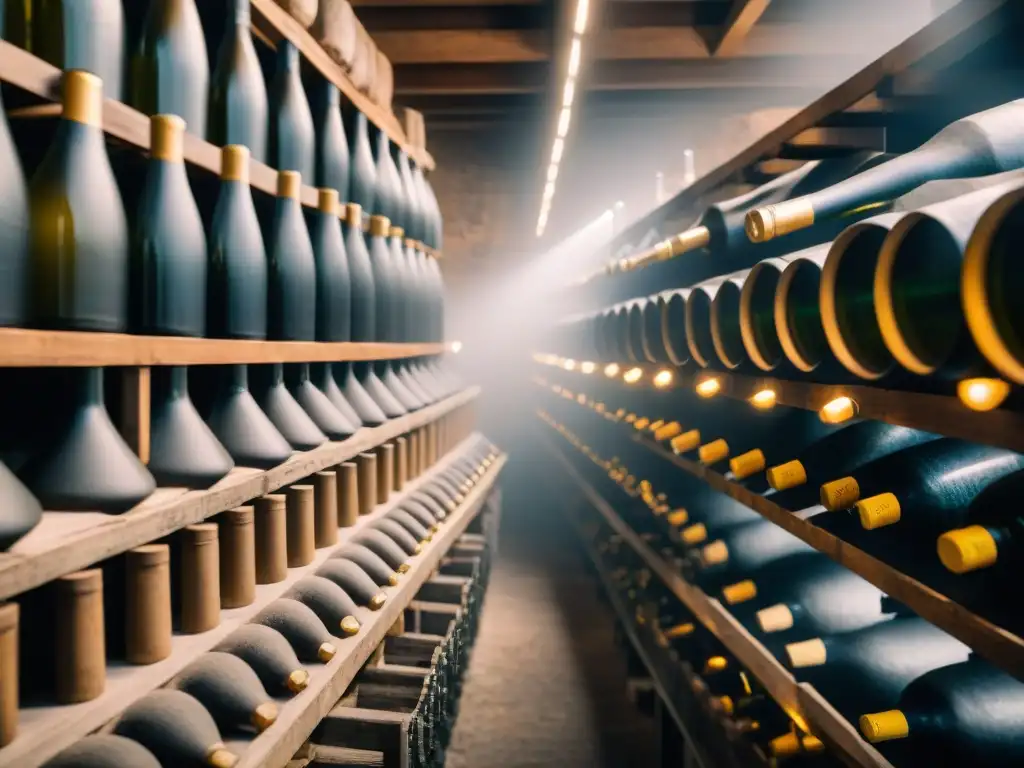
(171, 383)
(90, 382)
(288, 58)
(239, 377)
(240, 15)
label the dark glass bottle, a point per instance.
(292, 137)
(78, 234)
(962, 714)
(104, 751)
(15, 264)
(329, 602)
(390, 200)
(363, 186)
(332, 155)
(403, 310)
(238, 94)
(316, 404)
(229, 690)
(269, 655)
(20, 510)
(428, 235)
(247, 433)
(301, 628)
(170, 71)
(741, 549)
(410, 194)
(183, 449)
(372, 564)
(867, 670)
(176, 728)
(415, 528)
(354, 580)
(399, 535)
(436, 222)
(385, 548)
(237, 271)
(168, 250)
(978, 145)
(83, 35)
(291, 297)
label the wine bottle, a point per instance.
(291, 300)
(363, 180)
(81, 36)
(301, 627)
(78, 235)
(962, 714)
(354, 581)
(978, 145)
(168, 245)
(332, 155)
(743, 548)
(21, 511)
(437, 508)
(238, 94)
(237, 280)
(176, 728)
(268, 654)
(292, 138)
(414, 527)
(245, 431)
(419, 511)
(866, 670)
(183, 450)
(15, 264)
(837, 455)
(229, 690)
(333, 286)
(104, 751)
(398, 534)
(384, 547)
(388, 187)
(287, 416)
(170, 72)
(329, 602)
(928, 489)
(372, 564)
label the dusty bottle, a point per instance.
(292, 137)
(332, 154)
(363, 178)
(104, 751)
(230, 691)
(238, 94)
(354, 580)
(301, 627)
(268, 654)
(330, 602)
(399, 535)
(385, 548)
(371, 563)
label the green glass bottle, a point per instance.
(14, 252)
(170, 72)
(292, 138)
(291, 298)
(363, 186)
(168, 250)
(238, 94)
(332, 155)
(81, 34)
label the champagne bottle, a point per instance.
(836, 455)
(238, 94)
(183, 450)
(404, 295)
(438, 509)
(301, 627)
(333, 286)
(15, 264)
(332, 156)
(962, 714)
(795, 311)
(292, 139)
(374, 566)
(410, 194)
(743, 548)
(291, 300)
(388, 187)
(78, 235)
(247, 433)
(363, 180)
(978, 145)
(170, 72)
(237, 280)
(399, 535)
(21, 511)
(419, 511)
(268, 654)
(384, 547)
(866, 670)
(928, 489)
(354, 581)
(988, 536)
(280, 406)
(409, 523)
(75, 35)
(176, 729)
(168, 250)
(329, 602)
(104, 751)
(229, 690)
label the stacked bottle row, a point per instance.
(282, 280)
(895, 675)
(180, 587)
(918, 284)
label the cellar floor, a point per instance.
(546, 685)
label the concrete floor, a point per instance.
(546, 685)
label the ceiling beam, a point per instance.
(741, 20)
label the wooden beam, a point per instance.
(458, 46)
(435, 3)
(817, 142)
(742, 18)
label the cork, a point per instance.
(367, 482)
(348, 495)
(200, 578)
(81, 653)
(385, 471)
(147, 604)
(300, 515)
(325, 505)
(237, 535)
(271, 539)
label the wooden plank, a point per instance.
(361, 728)
(65, 542)
(840, 138)
(800, 701)
(276, 23)
(999, 646)
(22, 347)
(45, 731)
(299, 716)
(743, 15)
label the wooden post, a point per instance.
(148, 604)
(200, 578)
(237, 557)
(135, 410)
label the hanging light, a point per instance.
(982, 394)
(663, 378)
(764, 399)
(633, 375)
(838, 410)
(587, 367)
(611, 370)
(709, 387)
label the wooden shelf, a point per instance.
(40, 349)
(45, 731)
(997, 645)
(800, 700)
(275, 23)
(65, 542)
